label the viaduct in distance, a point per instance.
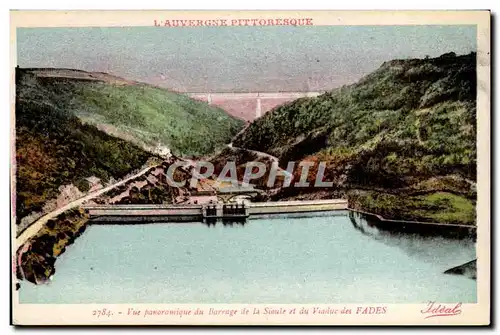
(248, 105)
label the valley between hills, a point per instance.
(400, 143)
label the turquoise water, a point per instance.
(322, 259)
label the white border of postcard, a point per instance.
(396, 314)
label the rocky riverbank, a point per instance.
(37, 263)
(38, 257)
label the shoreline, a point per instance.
(38, 263)
(383, 219)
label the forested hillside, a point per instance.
(401, 142)
(142, 114)
(62, 118)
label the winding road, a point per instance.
(264, 155)
(35, 227)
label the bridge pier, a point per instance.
(209, 98)
(258, 110)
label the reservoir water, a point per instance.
(318, 259)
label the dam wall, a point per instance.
(103, 214)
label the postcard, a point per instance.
(250, 167)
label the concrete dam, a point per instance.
(102, 214)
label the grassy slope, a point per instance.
(154, 115)
(145, 114)
(54, 147)
(409, 126)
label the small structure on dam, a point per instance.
(229, 211)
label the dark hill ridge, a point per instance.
(401, 142)
(75, 74)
